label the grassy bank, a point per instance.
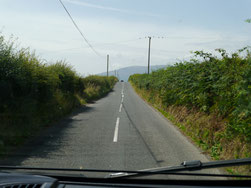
(208, 99)
(34, 94)
(98, 86)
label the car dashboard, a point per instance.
(18, 180)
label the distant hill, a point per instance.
(124, 73)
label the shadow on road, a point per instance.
(45, 141)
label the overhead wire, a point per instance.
(81, 33)
(120, 42)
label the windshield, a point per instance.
(125, 85)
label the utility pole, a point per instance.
(107, 65)
(149, 50)
(149, 54)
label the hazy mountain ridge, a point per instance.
(124, 73)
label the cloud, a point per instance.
(230, 43)
(50, 34)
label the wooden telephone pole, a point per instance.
(149, 55)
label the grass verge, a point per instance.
(208, 131)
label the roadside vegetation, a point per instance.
(98, 86)
(208, 98)
(34, 94)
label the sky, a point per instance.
(120, 28)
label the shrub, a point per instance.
(213, 85)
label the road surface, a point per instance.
(119, 131)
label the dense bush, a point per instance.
(211, 84)
(98, 86)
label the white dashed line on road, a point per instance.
(116, 131)
(120, 107)
(115, 138)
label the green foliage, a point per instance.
(213, 85)
(248, 20)
(98, 86)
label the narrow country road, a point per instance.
(120, 131)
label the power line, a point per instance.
(76, 26)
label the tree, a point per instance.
(248, 20)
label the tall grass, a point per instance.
(98, 86)
(34, 94)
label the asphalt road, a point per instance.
(119, 131)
